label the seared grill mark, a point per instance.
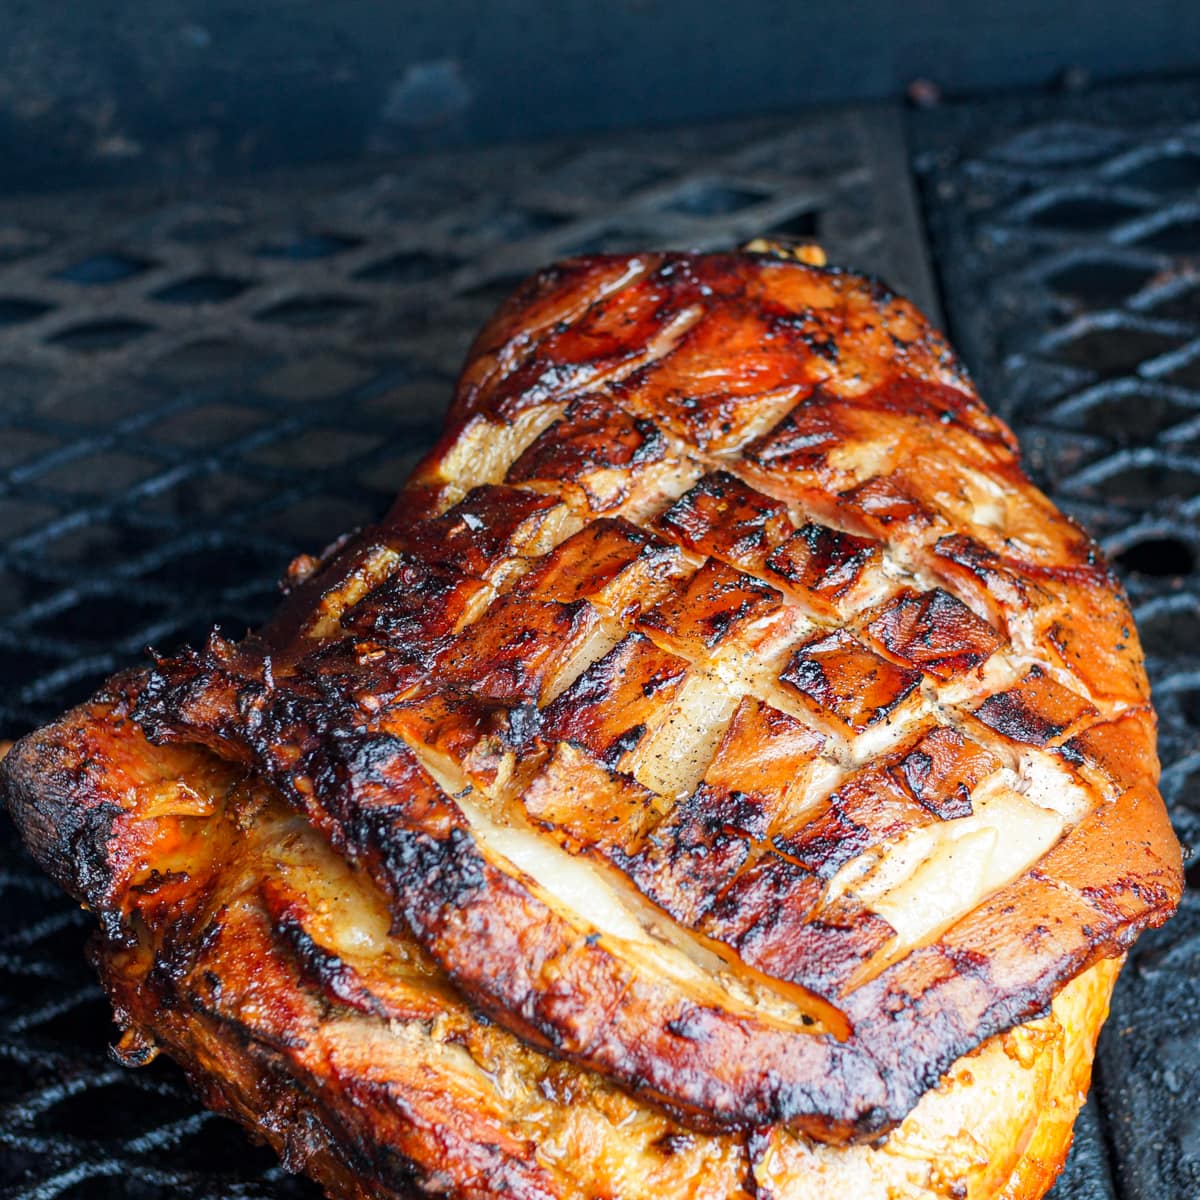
(712, 607)
(942, 770)
(934, 631)
(489, 525)
(416, 609)
(505, 656)
(845, 679)
(1036, 712)
(611, 562)
(724, 517)
(868, 809)
(609, 707)
(822, 565)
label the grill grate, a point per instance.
(1068, 232)
(194, 386)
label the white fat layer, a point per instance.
(591, 898)
(603, 638)
(672, 761)
(929, 878)
(485, 450)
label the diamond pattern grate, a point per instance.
(1067, 237)
(194, 386)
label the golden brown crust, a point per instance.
(673, 486)
(241, 945)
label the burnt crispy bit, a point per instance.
(506, 655)
(868, 809)
(822, 952)
(713, 606)
(822, 564)
(1037, 711)
(844, 678)
(691, 855)
(454, 726)
(594, 805)
(942, 770)
(764, 757)
(770, 889)
(726, 518)
(610, 562)
(416, 609)
(934, 631)
(612, 705)
(491, 523)
(772, 915)
(592, 435)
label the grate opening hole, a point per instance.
(105, 268)
(198, 362)
(220, 1145)
(100, 335)
(213, 570)
(518, 223)
(311, 310)
(1140, 485)
(1082, 214)
(1099, 282)
(1192, 876)
(1186, 374)
(300, 246)
(119, 1186)
(1188, 700)
(23, 665)
(1167, 173)
(411, 267)
(604, 241)
(15, 311)
(1114, 351)
(712, 198)
(1160, 557)
(1134, 416)
(799, 225)
(1181, 305)
(202, 289)
(85, 1025)
(116, 1110)
(101, 618)
(1176, 237)
(1171, 631)
(496, 291)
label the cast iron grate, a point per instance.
(1067, 232)
(195, 387)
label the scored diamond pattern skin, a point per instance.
(825, 535)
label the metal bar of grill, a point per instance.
(196, 385)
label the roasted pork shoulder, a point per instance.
(721, 773)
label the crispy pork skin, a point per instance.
(235, 939)
(719, 710)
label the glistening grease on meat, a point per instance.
(719, 711)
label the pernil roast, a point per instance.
(721, 774)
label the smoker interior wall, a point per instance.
(142, 89)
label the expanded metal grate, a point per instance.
(1067, 233)
(195, 386)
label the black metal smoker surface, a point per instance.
(194, 386)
